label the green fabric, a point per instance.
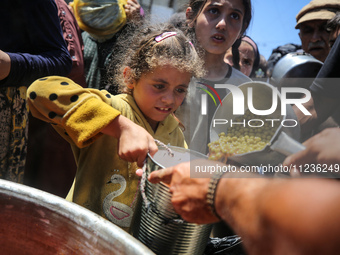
(97, 57)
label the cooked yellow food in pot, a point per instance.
(242, 137)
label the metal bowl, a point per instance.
(262, 100)
(36, 222)
(295, 70)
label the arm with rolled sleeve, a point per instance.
(81, 116)
(81, 113)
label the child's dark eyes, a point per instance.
(181, 90)
(216, 11)
(213, 10)
(162, 87)
(159, 86)
(235, 15)
(247, 62)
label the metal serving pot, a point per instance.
(36, 222)
(285, 139)
(155, 222)
(296, 69)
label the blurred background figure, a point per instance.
(312, 21)
(32, 46)
(50, 164)
(333, 26)
(292, 65)
(178, 19)
(102, 23)
(261, 72)
(74, 42)
(280, 52)
(247, 57)
(314, 35)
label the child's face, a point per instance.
(160, 92)
(246, 55)
(247, 58)
(219, 25)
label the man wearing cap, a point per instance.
(312, 22)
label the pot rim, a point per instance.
(78, 215)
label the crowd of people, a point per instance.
(86, 87)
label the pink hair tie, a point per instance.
(165, 35)
(250, 41)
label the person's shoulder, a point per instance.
(124, 103)
(237, 73)
(121, 98)
(125, 100)
(237, 77)
(42, 3)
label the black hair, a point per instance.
(197, 6)
(334, 23)
(236, 56)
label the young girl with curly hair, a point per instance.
(156, 70)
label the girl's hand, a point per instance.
(132, 10)
(134, 142)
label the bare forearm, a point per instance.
(114, 128)
(236, 203)
(282, 216)
(273, 216)
(134, 142)
(5, 65)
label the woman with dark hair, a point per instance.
(213, 27)
(247, 56)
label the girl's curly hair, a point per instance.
(138, 49)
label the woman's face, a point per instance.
(160, 92)
(246, 55)
(247, 58)
(219, 25)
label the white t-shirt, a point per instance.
(196, 125)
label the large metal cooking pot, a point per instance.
(36, 222)
(285, 140)
(296, 69)
(155, 222)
